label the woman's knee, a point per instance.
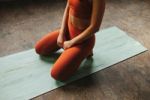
(46, 42)
(54, 74)
(38, 48)
(57, 74)
(64, 67)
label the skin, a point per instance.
(95, 22)
(61, 37)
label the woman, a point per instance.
(81, 20)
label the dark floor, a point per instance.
(23, 22)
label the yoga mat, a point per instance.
(26, 75)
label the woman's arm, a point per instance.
(62, 31)
(64, 20)
(96, 19)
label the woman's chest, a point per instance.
(80, 4)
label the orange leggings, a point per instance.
(70, 59)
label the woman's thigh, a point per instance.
(47, 44)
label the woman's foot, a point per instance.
(90, 55)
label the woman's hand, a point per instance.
(60, 40)
(68, 44)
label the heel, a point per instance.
(90, 55)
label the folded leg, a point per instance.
(70, 59)
(47, 44)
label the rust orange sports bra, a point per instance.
(80, 8)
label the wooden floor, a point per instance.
(23, 23)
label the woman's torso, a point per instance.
(80, 13)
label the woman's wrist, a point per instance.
(61, 32)
(72, 41)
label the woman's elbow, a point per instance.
(94, 28)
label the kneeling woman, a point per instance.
(81, 20)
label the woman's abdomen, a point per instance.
(76, 25)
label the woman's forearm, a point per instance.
(64, 20)
(90, 31)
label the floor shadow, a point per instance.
(51, 58)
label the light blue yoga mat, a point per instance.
(25, 75)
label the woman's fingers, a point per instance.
(59, 44)
(67, 44)
(60, 41)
